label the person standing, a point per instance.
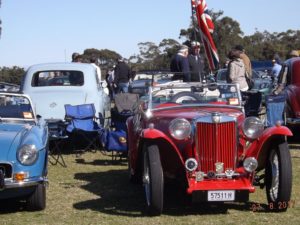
(292, 54)
(246, 60)
(121, 76)
(180, 65)
(276, 69)
(76, 57)
(93, 62)
(196, 63)
(236, 71)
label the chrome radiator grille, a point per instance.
(216, 142)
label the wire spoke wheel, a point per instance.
(278, 177)
(153, 180)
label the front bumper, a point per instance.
(10, 183)
(241, 186)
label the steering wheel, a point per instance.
(187, 96)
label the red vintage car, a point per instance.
(289, 82)
(198, 135)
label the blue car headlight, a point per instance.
(27, 155)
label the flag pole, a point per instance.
(196, 30)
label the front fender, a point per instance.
(260, 145)
(154, 134)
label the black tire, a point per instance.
(184, 96)
(278, 177)
(153, 180)
(37, 200)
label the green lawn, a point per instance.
(92, 190)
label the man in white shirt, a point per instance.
(93, 62)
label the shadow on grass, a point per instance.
(11, 206)
(101, 162)
(116, 196)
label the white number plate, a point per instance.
(221, 196)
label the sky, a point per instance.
(39, 31)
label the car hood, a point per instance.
(195, 112)
(11, 136)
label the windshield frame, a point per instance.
(151, 105)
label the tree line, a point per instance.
(259, 46)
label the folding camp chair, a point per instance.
(57, 135)
(114, 138)
(275, 109)
(252, 103)
(82, 127)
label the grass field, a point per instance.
(93, 190)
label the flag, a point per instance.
(206, 27)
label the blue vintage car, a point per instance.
(23, 152)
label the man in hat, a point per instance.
(293, 53)
(245, 59)
(180, 65)
(196, 62)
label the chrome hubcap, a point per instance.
(275, 177)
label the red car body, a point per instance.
(290, 76)
(217, 140)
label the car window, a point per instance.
(57, 78)
(15, 107)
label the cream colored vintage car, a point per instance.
(53, 85)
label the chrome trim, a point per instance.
(240, 108)
(10, 183)
(217, 176)
(208, 119)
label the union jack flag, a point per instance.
(200, 14)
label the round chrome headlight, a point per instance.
(250, 164)
(253, 127)
(27, 155)
(180, 129)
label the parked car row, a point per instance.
(196, 134)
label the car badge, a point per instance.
(219, 167)
(216, 117)
(199, 176)
(52, 105)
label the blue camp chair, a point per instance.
(82, 126)
(114, 138)
(275, 109)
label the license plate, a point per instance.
(221, 196)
